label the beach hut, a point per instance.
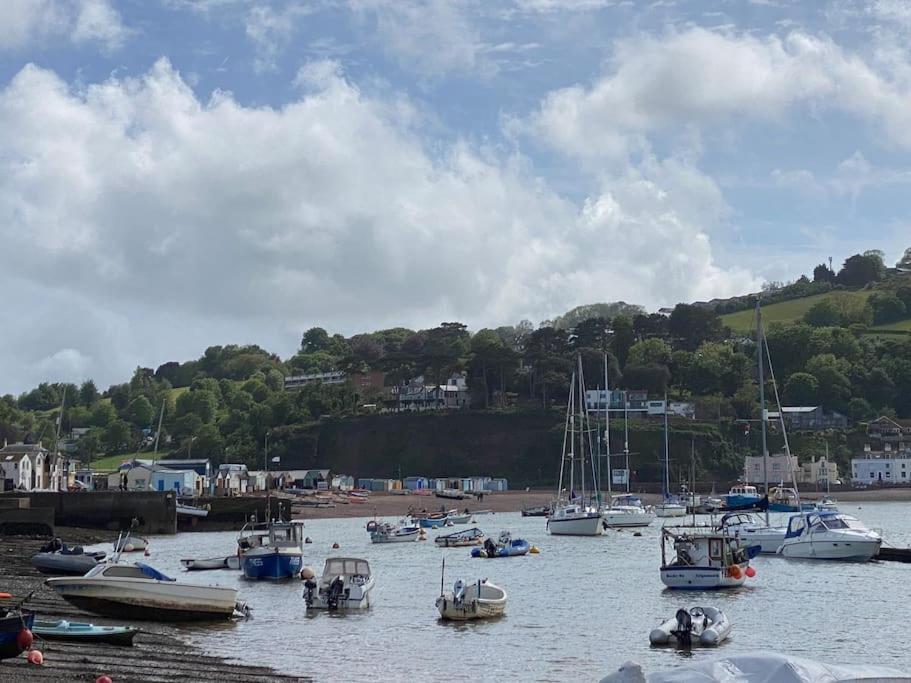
(416, 483)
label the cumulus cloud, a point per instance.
(697, 76)
(270, 31)
(180, 223)
(26, 22)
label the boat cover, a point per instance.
(153, 573)
(759, 667)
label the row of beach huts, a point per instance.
(463, 484)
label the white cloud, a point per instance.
(26, 22)
(703, 77)
(212, 222)
(271, 30)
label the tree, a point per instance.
(652, 378)
(823, 313)
(905, 261)
(89, 444)
(208, 442)
(886, 307)
(103, 414)
(860, 270)
(801, 389)
(119, 395)
(691, 326)
(547, 351)
(202, 403)
(859, 409)
(650, 352)
(745, 402)
(717, 368)
(315, 339)
(822, 273)
(591, 333)
(622, 339)
(88, 393)
(117, 437)
(140, 412)
(834, 385)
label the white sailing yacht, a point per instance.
(624, 511)
(670, 506)
(569, 514)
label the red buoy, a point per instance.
(24, 639)
(103, 679)
(751, 572)
(35, 657)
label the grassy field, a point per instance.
(112, 462)
(901, 325)
(787, 311)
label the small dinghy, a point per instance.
(85, 633)
(56, 558)
(705, 626)
(479, 600)
(210, 564)
(505, 546)
(130, 544)
(384, 532)
(460, 539)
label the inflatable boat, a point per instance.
(706, 626)
(505, 546)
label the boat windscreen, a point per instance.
(152, 573)
(348, 566)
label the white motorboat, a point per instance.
(569, 515)
(138, 591)
(759, 667)
(704, 559)
(626, 511)
(829, 536)
(459, 518)
(384, 532)
(753, 532)
(188, 510)
(827, 503)
(670, 507)
(478, 600)
(346, 584)
(696, 626)
(460, 539)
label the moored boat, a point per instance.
(670, 507)
(189, 510)
(829, 536)
(478, 600)
(626, 511)
(742, 496)
(384, 532)
(128, 543)
(703, 559)
(84, 633)
(138, 591)
(210, 564)
(535, 511)
(12, 624)
(460, 539)
(272, 550)
(505, 546)
(707, 626)
(434, 521)
(346, 584)
(752, 531)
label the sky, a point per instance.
(176, 174)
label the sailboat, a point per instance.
(623, 511)
(569, 515)
(827, 502)
(670, 506)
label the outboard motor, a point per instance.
(490, 548)
(309, 587)
(684, 631)
(458, 591)
(334, 593)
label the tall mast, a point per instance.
(607, 430)
(581, 430)
(158, 431)
(572, 438)
(268, 488)
(667, 467)
(56, 450)
(626, 436)
(567, 425)
(762, 409)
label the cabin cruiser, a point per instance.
(138, 591)
(271, 550)
(346, 584)
(384, 532)
(829, 536)
(742, 496)
(707, 626)
(753, 531)
(703, 559)
(626, 511)
(478, 600)
(573, 519)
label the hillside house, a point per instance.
(780, 469)
(887, 466)
(298, 381)
(885, 430)
(47, 471)
(809, 418)
(416, 395)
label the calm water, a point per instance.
(579, 609)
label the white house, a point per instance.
(779, 469)
(16, 471)
(882, 467)
(135, 478)
(817, 471)
(186, 482)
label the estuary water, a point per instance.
(578, 610)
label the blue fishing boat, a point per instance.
(12, 623)
(271, 550)
(741, 497)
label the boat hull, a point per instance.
(427, 523)
(269, 564)
(9, 633)
(709, 636)
(63, 565)
(587, 525)
(670, 511)
(85, 633)
(147, 600)
(621, 519)
(395, 538)
(768, 540)
(700, 578)
(846, 551)
(466, 611)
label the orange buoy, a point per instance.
(35, 657)
(5, 596)
(734, 571)
(24, 639)
(751, 572)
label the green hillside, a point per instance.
(793, 310)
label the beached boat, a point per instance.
(752, 531)
(12, 623)
(478, 600)
(138, 591)
(80, 632)
(231, 562)
(504, 546)
(272, 550)
(535, 511)
(706, 626)
(384, 532)
(128, 543)
(460, 539)
(57, 558)
(452, 494)
(626, 511)
(346, 584)
(703, 559)
(829, 536)
(188, 510)
(786, 499)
